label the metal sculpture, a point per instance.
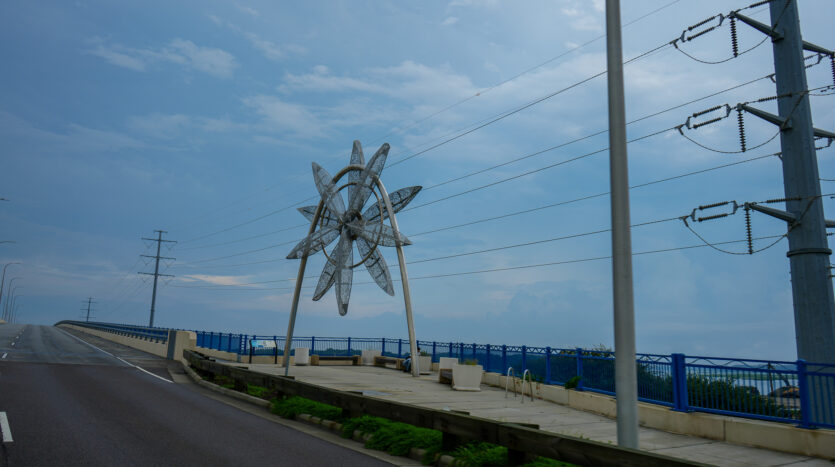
(333, 219)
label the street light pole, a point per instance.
(626, 388)
(3, 279)
(8, 295)
(12, 307)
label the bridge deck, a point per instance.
(490, 402)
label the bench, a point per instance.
(382, 361)
(315, 360)
(445, 365)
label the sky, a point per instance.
(202, 119)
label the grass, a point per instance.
(289, 407)
(395, 438)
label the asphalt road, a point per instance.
(70, 403)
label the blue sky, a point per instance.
(203, 118)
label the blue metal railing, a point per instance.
(157, 334)
(793, 392)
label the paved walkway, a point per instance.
(491, 403)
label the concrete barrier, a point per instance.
(762, 434)
(181, 340)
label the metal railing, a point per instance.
(793, 392)
(142, 332)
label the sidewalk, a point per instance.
(491, 403)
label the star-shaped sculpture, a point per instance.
(351, 223)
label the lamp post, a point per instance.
(3, 278)
(13, 311)
(9, 296)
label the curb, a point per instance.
(226, 392)
(328, 425)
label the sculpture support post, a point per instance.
(404, 279)
(288, 340)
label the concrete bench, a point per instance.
(382, 362)
(445, 365)
(316, 360)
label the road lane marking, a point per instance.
(4, 355)
(12, 344)
(4, 427)
(117, 358)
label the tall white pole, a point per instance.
(626, 387)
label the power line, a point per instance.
(513, 268)
(465, 192)
(462, 101)
(484, 123)
(480, 171)
(538, 208)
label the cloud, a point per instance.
(248, 10)
(285, 117)
(215, 280)
(408, 81)
(209, 60)
(449, 21)
(269, 49)
(118, 58)
(74, 138)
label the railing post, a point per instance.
(461, 351)
(579, 369)
(678, 372)
(487, 365)
(399, 348)
(434, 347)
(244, 340)
(803, 392)
(450, 350)
(475, 355)
(504, 359)
(383, 346)
(547, 365)
(313, 345)
(524, 358)
(349, 346)
(229, 344)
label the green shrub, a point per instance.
(292, 406)
(572, 383)
(394, 438)
(258, 391)
(480, 455)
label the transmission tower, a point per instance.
(90, 303)
(156, 272)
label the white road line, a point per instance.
(12, 344)
(118, 358)
(4, 355)
(4, 427)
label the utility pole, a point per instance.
(812, 294)
(626, 382)
(89, 303)
(814, 305)
(156, 273)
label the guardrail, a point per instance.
(790, 392)
(519, 440)
(142, 332)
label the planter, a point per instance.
(467, 377)
(368, 356)
(425, 364)
(302, 356)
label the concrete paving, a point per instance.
(492, 403)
